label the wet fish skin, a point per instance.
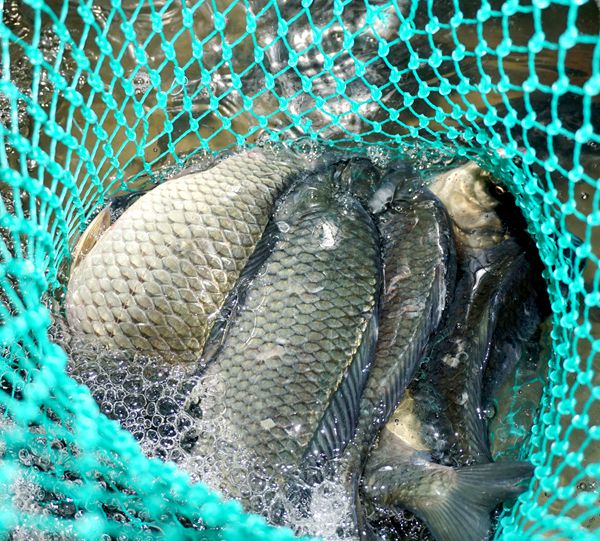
(362, 179)
(156, 279)
(419, 273)
(293, 358)
(400, 471)
(517, 333)
(455, 503)
(419, 270)
(450, 387)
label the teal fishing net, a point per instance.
(101, 97)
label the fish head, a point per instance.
(312, 194)
(469, 194)
(322, 203)
(466, 186)
(359, 178)
(399, 183)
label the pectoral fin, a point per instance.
(90, 237)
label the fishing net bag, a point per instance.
(99, 96)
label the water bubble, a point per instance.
(141, 83)
(490, 412)
(284, 227)
(379, 156)
(135, 402)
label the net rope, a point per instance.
(103, 97)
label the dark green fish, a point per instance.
(440, 417)
(516, 335)
(419, 270)
(450, 388)
(285, 376)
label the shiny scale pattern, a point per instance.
(155, 281)
(312, 300)
(97, 97)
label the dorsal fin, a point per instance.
(236, 296)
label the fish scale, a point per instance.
(290, 343)
(419, 269)
(155, 280)
(400, 472)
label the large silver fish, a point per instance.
(286, 375)
(155, 280)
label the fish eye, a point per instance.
(496, 190)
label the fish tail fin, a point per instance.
(463, 512)
(455, 503)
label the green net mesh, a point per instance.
(97, 97)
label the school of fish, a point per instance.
(339, 320)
